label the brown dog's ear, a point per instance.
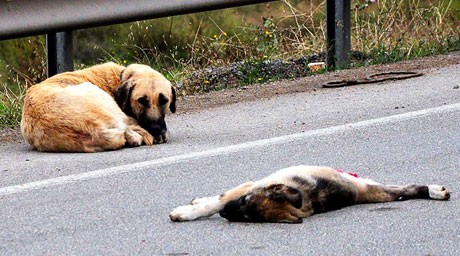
(283, 193)
(172, 105)
(123, 97)
(125, 75)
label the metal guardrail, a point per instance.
(19, 18)
(57, 19)
(338, 27)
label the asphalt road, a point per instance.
(117, 203)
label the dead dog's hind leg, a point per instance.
(386, 193)
(208, 206)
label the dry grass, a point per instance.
(393, 31)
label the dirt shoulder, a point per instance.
(195, 103)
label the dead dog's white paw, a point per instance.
(185, 213)
(438, 192)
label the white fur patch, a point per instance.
(358, 180)
(202, 200)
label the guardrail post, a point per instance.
(59, 47)
(338, 33)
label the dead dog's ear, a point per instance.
(172, 105)
(123, 97)
(282, 193)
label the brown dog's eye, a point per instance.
(162, 99)
(144, 101)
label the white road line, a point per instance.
(223, 150)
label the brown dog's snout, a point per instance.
(157, 128)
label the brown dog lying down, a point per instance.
(297, 192)
(104, 107)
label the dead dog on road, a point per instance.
(104, 107)
(294, 193)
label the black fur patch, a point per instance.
(128, 109)
(329, 195)
(123, 97)
(239, 211)
(172, 105)
(413, 192)
(304, 184)
(162, 99)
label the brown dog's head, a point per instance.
(274, 203)
(146, 95)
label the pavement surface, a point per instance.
(117, 203)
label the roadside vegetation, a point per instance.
(240, 46)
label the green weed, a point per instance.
(11, 105)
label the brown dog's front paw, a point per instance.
(148, 139)
(133, 139)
